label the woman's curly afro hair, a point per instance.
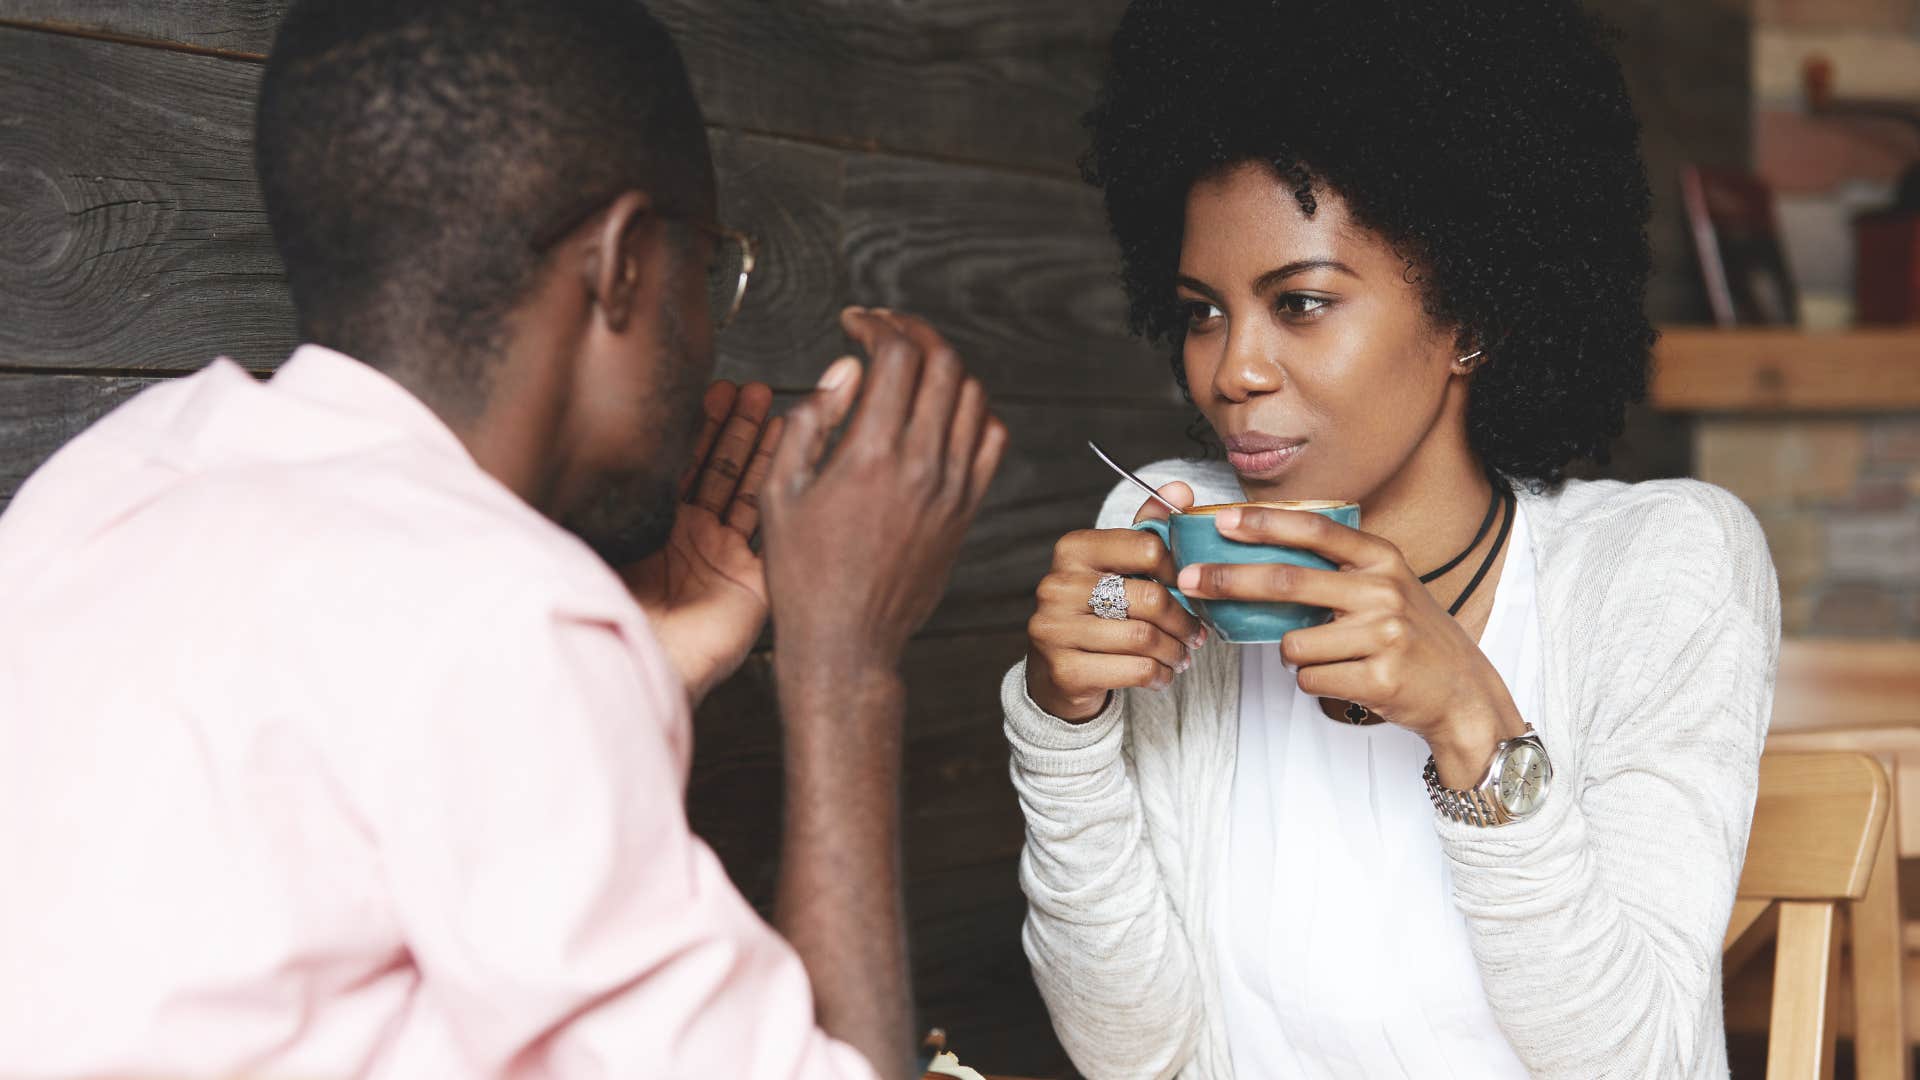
(1490, 142)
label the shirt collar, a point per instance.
(327, 377)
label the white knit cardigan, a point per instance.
(1597, 924)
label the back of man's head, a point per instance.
(415, 153)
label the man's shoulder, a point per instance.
(425, 534)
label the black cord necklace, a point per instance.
(1503, 499)
(1486, 522)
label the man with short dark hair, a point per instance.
(335, 745)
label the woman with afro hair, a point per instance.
(1487, 821)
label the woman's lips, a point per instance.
(1263, 464)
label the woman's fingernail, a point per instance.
(1198, 639)
(1190, 578)
(1227, 519)
(1185, 663)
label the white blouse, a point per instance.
(1341, 952)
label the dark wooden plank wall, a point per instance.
(920, 156)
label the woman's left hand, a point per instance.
(1390, 647)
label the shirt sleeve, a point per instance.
(528, 807)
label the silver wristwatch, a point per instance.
(1514, 788)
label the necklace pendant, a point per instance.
(1356, 714)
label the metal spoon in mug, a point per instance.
(1141, 484)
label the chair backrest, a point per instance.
(1817, 824)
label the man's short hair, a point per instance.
(414, 153)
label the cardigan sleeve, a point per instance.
(1598, 924)
(1109, 951)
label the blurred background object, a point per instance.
(1736, 236)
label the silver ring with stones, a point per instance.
(1109, 599)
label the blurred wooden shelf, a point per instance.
(1708, 369)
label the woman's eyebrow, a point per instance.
(1281, 273)
(1198, 286)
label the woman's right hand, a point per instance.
(1076, 658)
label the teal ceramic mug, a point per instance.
(1192, 538)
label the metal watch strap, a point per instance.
(1471, 807)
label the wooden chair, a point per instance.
(1883, 973)
(1864, 695)
(1817, 827)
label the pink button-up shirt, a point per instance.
(322, 754)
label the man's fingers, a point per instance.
(734, 448)
(986, 461)
(893, 375)
(963, 437)
(743, 516)
(810, 424)
(1176, 492)
(838, 389)
(715, 407)
(793, 460)
(942, 377)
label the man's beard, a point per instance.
(629, 514)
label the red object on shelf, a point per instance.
(1886, 267)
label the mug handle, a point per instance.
(1158, 527)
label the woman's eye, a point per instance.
(1200, 312)
(1301, 304)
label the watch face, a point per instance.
(1524, 775)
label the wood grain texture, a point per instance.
(1896, 746)
(1022, 269)
(1800, 1043)
(39, 413)
(986, 80)
(1878, 969)
(1817, 823)
(130, 227)
(141, 242)
(1704, 369)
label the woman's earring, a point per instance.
(1467, 362)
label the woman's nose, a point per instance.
(1248, 367)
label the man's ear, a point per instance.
(618, 256)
